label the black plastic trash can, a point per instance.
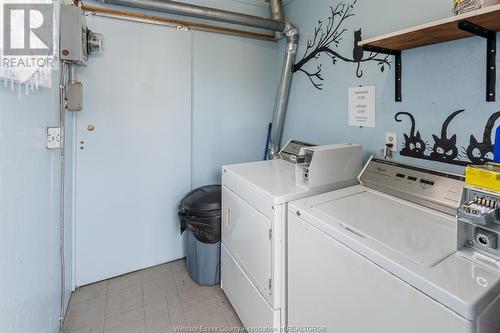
(200, 217)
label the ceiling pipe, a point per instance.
(179, 8)
(276, 24)
(280, 105)
(277, 15)
(171, 22)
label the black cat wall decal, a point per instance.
(414, 145)
(325, 42)
(482, 152)
(358, 52)
(445, 149)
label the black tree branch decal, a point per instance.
(328, 37)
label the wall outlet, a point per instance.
(53, 137)
(391, 138)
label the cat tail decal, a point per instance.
(413, 124)
(489, 127)
(414, 146)
(359, 71)
(445, 149)
(444, 129)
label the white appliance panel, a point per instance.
(261, 201)
(246, 234)
(489, 320)
(346, 284)
(424, 236)
(276, 178)
(252, 308)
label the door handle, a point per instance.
(228, 218)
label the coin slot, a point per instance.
(427, 182)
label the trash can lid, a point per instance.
(204, 199)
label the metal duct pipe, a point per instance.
(178, 8)
(171, 22)
(72, 73)
(281, 103)
(277, 15)
(276, 10)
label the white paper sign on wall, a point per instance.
(362, 106)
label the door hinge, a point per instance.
(270, 233)
(270, 285)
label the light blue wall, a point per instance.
(234, 84)
(30, 210)
(29, 214)
(437, 80)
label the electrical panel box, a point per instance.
(74, 96)
(77, 41)
(74, 35)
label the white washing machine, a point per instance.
(382, 257)
(254, 202)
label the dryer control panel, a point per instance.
(291, 150)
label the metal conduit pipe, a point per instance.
(277, 15)
(178, 8)
(276, 10)
(62, 123)
(281, 103)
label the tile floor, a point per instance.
(156, 300)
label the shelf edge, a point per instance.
(478, 12)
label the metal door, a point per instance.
(133, 141)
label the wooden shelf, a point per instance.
(440, 31)
(483, 22)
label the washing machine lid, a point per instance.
(412, 242)
(419, 234)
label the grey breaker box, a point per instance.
(77, 41)
(74, 35)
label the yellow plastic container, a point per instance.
(487, 176)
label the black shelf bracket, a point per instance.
(399, 66)
(491, 49)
